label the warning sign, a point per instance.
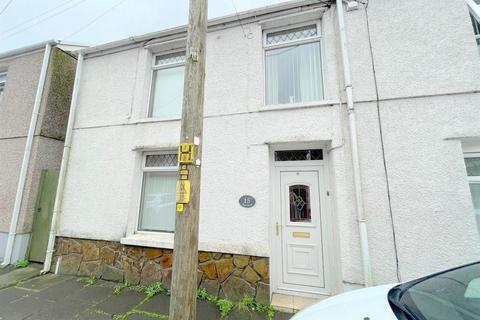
(183, 191)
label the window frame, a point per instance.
(3, 82)
(154, 67)
(267, 47)
(474, 11)
(472, 179)
(143, 171)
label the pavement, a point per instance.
(52, 297)
(10, 275)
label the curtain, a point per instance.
(158, 201)
(167, 92)
(475, 190)
(293, 74)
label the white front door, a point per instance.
(299, 230)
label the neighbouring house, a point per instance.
(284, 209)
(35, 90)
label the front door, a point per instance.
(43, 215)
(300, 230)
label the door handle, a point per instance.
(278, 227)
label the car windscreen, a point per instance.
(452, 295)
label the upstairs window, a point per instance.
(476, 29)
(293, 66)
(472, 163)
(474, 7)
(3, 80)
(167, 86)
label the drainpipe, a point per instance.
(57, 208)
(362, 222)
(26, 156)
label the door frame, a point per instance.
(326, 225)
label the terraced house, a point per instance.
(35, 90)
(339, 150)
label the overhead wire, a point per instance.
(42, 20)
(249, 35)
(95, 19)
(37, 16)
(6, 7)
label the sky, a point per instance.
(90, 22)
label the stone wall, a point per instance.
(226, 275)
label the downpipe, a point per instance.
(362, 221)
(26, 157)
(57, 208)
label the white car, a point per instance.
(449, 295)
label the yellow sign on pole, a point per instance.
(183, 191)
(186, 153)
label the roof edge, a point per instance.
(28, 49)
(212, 23)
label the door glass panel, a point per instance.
(299, 155)
(299, 196)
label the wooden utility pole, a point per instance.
(183, 302)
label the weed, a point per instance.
(137, 288)
(90, 281)
(155, 289)
(141, 313)
(249, 304)
(117, 290)
(22, 264)
(225, 306)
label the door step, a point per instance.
(290, 303)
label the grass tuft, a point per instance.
(22, 264)
(90, 281)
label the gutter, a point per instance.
(28, 49)
(26, 155)
(245, 17)
(57, 209)
(362, 221)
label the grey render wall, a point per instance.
(15, 112)
(428, 76)
(427, 71)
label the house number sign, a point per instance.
(247, 201)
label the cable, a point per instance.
(249, 35)
(36, 17)
(42, 20)
(6, 6)
(95, 19)
(382, 142)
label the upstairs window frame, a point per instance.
(474, 10)
(3, 81)
(164, 66)
(293, 43)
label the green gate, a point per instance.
(43, 215)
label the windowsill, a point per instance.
(164, 119)
(300, 105)
(150, 239)
(165, 241)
